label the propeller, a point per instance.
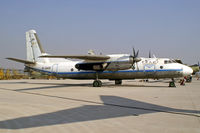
(134, 58)
(150, 55)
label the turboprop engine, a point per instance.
(117, 62)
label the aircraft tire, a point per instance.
(97, 83)
(118, 82)
(172, 84)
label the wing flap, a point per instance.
(21, 61)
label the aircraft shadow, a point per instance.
(61, 85)
(105, 84)
(111, 107)
(54, 86)
(126, 85)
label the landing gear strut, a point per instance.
(97, 82)
(118, 82)
(172, 83)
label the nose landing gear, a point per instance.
(172, 83)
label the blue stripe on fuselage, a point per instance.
(90, 72)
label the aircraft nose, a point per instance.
(187, 71)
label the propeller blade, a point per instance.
(149, 54)
(134, 57)
(137, 54)
(133, 52)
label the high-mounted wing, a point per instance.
(82, 57)
(21, 61)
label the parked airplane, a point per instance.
(195, 68)
(113, 67)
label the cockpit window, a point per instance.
(174, 61)
(169, 61)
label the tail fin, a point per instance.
(33, 45)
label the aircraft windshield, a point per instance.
(169, 61)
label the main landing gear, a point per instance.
(118, 82)
(97, 82)
(172, 83)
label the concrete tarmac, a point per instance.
(74, 106)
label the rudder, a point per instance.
(33, 45)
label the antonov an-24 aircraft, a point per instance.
(113, 67)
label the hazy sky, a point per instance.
(169, 28)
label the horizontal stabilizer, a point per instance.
(82, 57)
(21, 61)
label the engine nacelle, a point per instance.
(119, 65)
(91, 66)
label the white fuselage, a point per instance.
(114, 67)
(146, 68)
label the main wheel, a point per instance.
(97, 83)
(118, 82)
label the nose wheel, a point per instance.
(172, 83)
